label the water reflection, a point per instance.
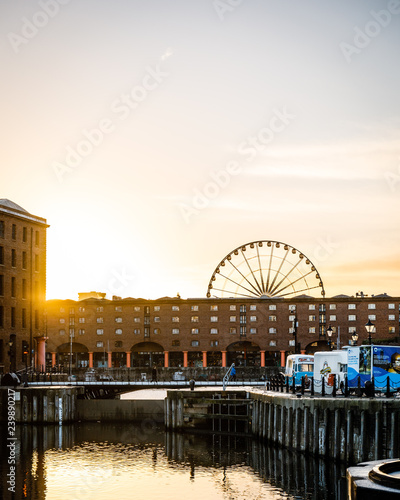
(102, 462)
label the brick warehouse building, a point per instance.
(22, 287)
(204, 332)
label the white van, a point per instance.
(326, 365)
(299, 366)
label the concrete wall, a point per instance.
(108, 410)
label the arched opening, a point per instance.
(147, 354)
(244, 353)
(72, 355)
(317, 346)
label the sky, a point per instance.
(156, 136)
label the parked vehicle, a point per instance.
(330, 366)
(299, 366)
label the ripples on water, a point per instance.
(107, 462)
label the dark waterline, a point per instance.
(92, 460)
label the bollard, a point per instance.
(192, 384)
(334, 386)
(346, 388)
(293, 385)
(287, 385)
(388, 387)
(312, 386)
(302, 386)
(323, 386)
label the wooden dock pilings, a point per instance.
(349, 430)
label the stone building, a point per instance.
(96, 332)
(22, 287)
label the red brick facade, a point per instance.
(22, 284)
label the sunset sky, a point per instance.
(156, 136)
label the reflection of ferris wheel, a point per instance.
(264, 269)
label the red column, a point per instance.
(223, 359)
(166, 359)
(283, 358)
(185, 359)
(41, 353)
(204, 359)
(109, 360)
(53, 359)
(128, 359)
(302, 351)
(262, 359)
(90, 360)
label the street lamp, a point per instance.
(370, 327)
(329, 332)
(354, 337)
(295, 325)
(10, 353)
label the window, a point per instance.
(156, 308)
(118, 308)
(311, 329)
(272, 318)
(13, 317)
(352, 317)
(99, 344)
(195, 331)
(253, 330)
(232, 319)
(118, 331)
(253, 318)
(147, 331)
(194, 308)
(242, 308)
(372, 317)
(81, 309)
(23, 318)
(195, 343)
(62, 321)
(175, 319)
(156, 319)
(37, 238)
(392, 329)
(99, 331)
(352, 329)
(214, 319)
(194, 319)
(118, 343)
(311, 307)
(232, 308)
(136, 331)
(332, 317)
(253, 307)
(214, 331)
(1, 284)
(24, 234)
(390, 306)
(392, 317)
(1, 229)
(292, 307)
(214, 343)
(136, 320)
(37, 263)
(118, 319)
(175, 308)
(147, 309)
(176, 343)
(81, 320)
(157, 331)
(311, 318)
(272, 343)
(71, 310)
(1, 255)
(99, 309)
(72, 332)
(175, 331)
(136, 308)
(13, 258)
(351, 306)
(61, 332)
(272, 331)
(292, 317)
(371, 306)
(232, 330)
(332, 306)
(14, 232)
(81, 331)
(72, 321)
(213, 308)
(272, 308)
(99, 320)
(62, 310)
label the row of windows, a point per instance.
(176, 343)
(14, 287)
(13, 317)
(14, 233)
(24, 259)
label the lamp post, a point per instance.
(295, 325)
(370, 327)
(10, 353)
(354, 338)
(329, 332)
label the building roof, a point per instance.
(10, 204)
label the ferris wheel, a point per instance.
(264, 269)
